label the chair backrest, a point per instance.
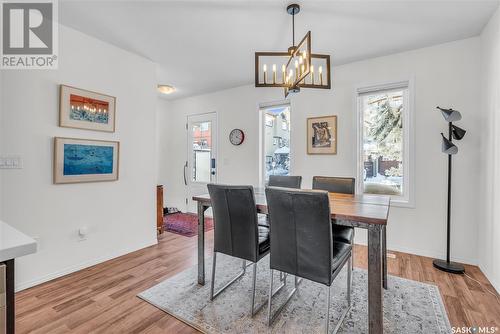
(301, 233)
(343, 185)
(235, 221)
(285, 181)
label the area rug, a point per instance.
(409, 306)
(185, 224)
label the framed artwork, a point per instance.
(84, 160)
(322, 135)
(83, 109)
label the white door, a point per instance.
(201, 166)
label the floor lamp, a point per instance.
(454, 132)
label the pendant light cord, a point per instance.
(293, 28)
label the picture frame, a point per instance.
(79, 160)
(88, 110)
(322, 135)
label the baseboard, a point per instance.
(495, 281)
(28, 284)
(425, 252)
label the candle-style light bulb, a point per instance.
(265, 73)
(290, 76)
(296, 69)
(312, 74)
(274, 73)
(320, 70)
(283, 71)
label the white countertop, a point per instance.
(13, 243)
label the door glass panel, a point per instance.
(202, 151)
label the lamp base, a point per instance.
(450, 267)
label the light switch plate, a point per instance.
(11, 162)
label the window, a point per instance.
(384, 135)
(202, 151)
(275, 141)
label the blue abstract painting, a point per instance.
(87, 159)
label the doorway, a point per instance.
(201, 165)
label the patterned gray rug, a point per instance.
(409, 306)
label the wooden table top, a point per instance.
(368, 209)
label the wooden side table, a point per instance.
(159, 209)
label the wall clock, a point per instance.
(236, 137)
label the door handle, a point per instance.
(212, 166)
(184, 173)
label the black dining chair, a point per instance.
(236, 231)
(302, 243)
(343, 185)
(286, 181)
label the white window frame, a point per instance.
(262, 130)
(408, 197)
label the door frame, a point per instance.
(262, 133)
(215, 153)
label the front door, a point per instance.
(201, 165)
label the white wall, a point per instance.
(488, 222)
(1, 151)
(120, 216)
(446, 75)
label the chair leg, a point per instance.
(270, 319)
(352, 245)
(252, 312)
(212, 294)
(327, 318)
(269, 299)
(214, 259)
(349, 280)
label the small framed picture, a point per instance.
(83, 160)
(83, 109)
(322, 135)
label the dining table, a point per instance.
(365, 211)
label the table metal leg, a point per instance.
(201, 243)
(10, 294)
(384, 257)
(375, 305)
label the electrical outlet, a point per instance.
(11, 162)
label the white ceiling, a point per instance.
(204, 46)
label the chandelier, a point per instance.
(294, 69)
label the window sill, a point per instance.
(402, 203)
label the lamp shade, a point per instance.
(448, 147)
(458, 133)
(450, 115)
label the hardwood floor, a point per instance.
(102, 299)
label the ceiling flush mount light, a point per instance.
(166, 89)
(294, 69)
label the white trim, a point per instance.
(495, 281)
(85, 264)
(214, 117)
(262, 120)
(408, 132)
(420, 252)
